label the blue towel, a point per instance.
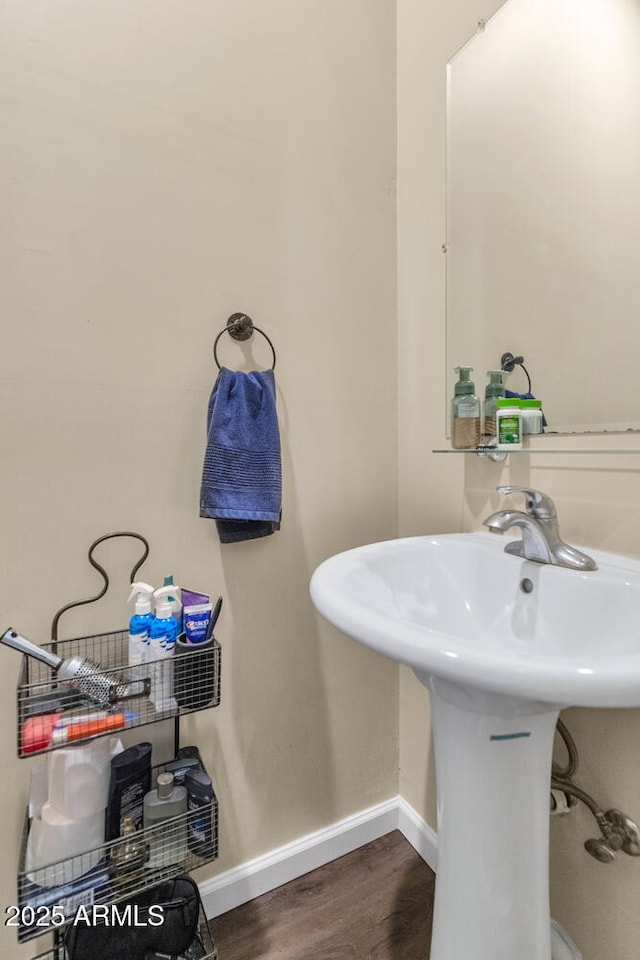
(525, 396)
(520, 396)
(242, 475)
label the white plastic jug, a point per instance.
(78, 778)
(59, 849)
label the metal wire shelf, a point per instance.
(188, 682)
(96, 876)
(207, 945)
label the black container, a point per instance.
(190, 752)
(130, 780)
(180, 767)
(199, 806)
(194, 684)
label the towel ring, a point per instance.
(241, 327)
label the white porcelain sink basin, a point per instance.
(454, 606)
(502, 644)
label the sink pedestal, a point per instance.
(470, 618)
(493, 766)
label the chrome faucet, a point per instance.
(540, 535)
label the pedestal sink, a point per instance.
(502, 644)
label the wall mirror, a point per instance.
(543, 207)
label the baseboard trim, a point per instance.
(417, 831)
(258, 876)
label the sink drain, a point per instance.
(526, 585)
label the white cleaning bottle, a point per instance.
(175, 601)
(162, 642)
(140, 626)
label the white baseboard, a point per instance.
(417, 831)
(255, 877)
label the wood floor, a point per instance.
(373, 904)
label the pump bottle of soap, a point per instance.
(465, 412)
(493, 391)
(162, 642)
(140, 626)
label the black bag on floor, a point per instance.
(161, 921)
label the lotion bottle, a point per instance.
(166, 804)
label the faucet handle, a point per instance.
(538, 504)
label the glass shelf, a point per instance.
(492, 450)
(560, 442)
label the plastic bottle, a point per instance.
(140, 625)
(199, 804)
(175, 601)
(165, 803)
(531, 411)
(127, 859)
(130, 781)
(493, 391)
(465, 412)
(509, 424)
(162, 642)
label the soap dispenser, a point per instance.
(465, 412)
(493, 391)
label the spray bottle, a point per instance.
(175, 601)
(162, 642)
(140, 625)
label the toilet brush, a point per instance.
(77, 672)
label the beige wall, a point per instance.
(167, 164)
(163, 165)
(596, 495)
